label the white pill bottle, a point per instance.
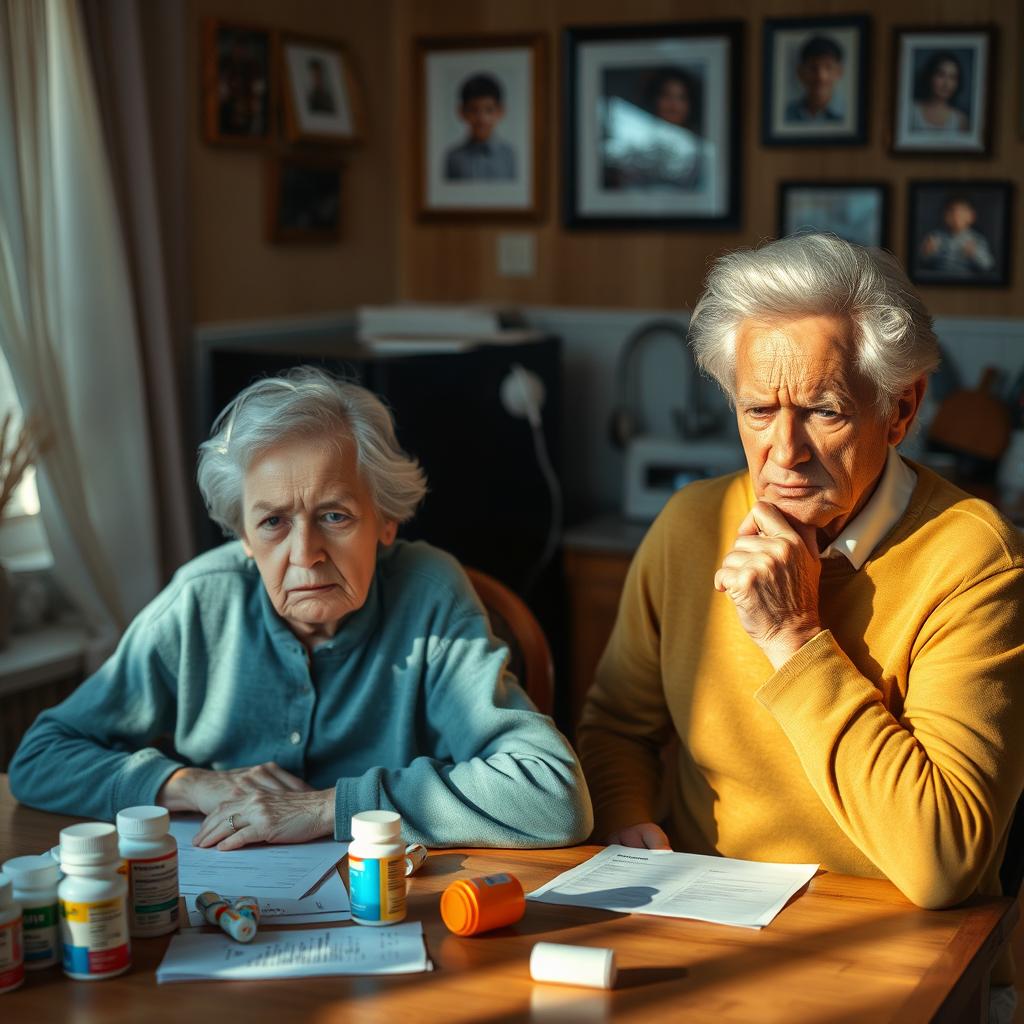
(93, 903)
(151, 860)
(35, 888)
(376, 868)
(12, 956)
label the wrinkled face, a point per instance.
(481, 116)
(819, 75)
(673, 104)
(813, 437)
(959, 217)
(945, 80)
(312, 528)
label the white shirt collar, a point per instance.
(883, 510)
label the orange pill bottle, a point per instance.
(473, 905)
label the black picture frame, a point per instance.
(786, 115)
(818, 206)
(963, 124)
(686, 177)
(930, 215)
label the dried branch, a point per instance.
(16, 455)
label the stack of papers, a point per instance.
(737, 892)
(295, 883)
(201, 956)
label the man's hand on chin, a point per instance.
(772, 576)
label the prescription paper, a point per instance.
(327, 902)
(736, 892)
(202, 956)
(284, 872)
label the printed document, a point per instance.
(286, 871)
(200, 956)
(737, 892)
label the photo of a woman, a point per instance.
(943, 91)
(938, 95)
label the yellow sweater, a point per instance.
(891, 745)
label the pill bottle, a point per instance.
(12, 958)
(35, 888)
(151, 860)
(93, 902)
(473, 905)
(376, 868)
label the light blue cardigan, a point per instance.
(407, 708)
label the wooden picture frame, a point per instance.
(322, 99)
(857, 211)
(481, 127)
(816, 81)
(651, 135)
(943, 83)
(303, 199)
(960, 232)
(238, 83)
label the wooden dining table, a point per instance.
(842, 950)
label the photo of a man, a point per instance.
(819, 69)
(481, 156)
(318, 98)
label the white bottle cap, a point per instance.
(6, 891)
(34, 871)
(376, 826)
(143, 821)
(573, 965)
(94, 842)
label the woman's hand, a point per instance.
(198, 789)
(645, 836)
(268, 816)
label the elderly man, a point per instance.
(833, 639)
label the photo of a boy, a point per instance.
(481, 156)
(819, 69)
(957, 248)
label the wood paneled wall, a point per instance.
(665, 269)
(236, 273)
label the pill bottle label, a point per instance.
(95, 936)
(377, 888)
(12, 963)
(496, 879)
(41, 934)
(153, 892)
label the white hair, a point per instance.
(812, 275)
(306, 402)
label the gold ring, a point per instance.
(231, 822)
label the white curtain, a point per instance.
(66, 316)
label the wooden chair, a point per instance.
(514, 623)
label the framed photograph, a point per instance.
(303, 200)
(815, 81)
(959, 232)
(854, 210)
(321, 99)
(943, 90)
(652, 126)
(237, 94)
(481, 127)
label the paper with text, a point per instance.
(737, 892)
(286, 871)
(201, 956)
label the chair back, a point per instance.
(1011, 871)
(514, 623)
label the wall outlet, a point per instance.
(517, 254)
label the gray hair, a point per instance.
(809, 275)
(306, 402)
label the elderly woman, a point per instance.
(314, 667)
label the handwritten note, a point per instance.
(202, 956)
(737, 892)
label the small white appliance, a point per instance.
(656, 467)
